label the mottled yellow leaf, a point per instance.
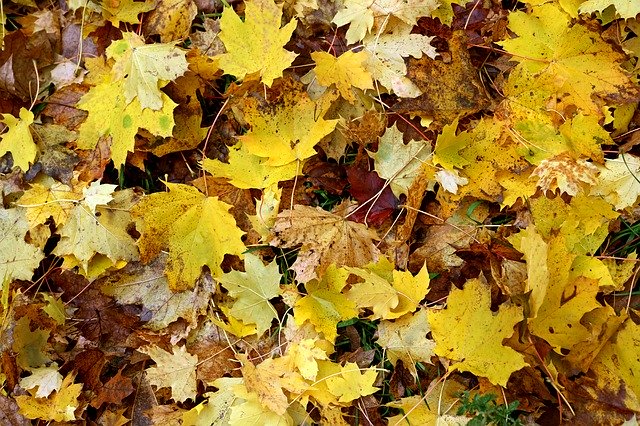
(175, 370)
(18, 258)
(352, 382)
(58, 407)
(324, 304)
(345, 71)
(198, 230)
(255, 44)
(252, 290)
(406, 339)
(111, 115)
(287, 131)
(566, 58)
(18, 139)
(471, 336)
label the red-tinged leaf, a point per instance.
(365, 185)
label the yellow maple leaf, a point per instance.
(198, 230)
(87, 237)
(18, 259)
(111, 115)
(326, 239)
(48, 198)
(145, 68)
(125, 10)
(58, 407)
(351, 382)
(624, 8)
(618, 181)
(255, 44)
(345, 71)
(566, 58)
(471, 336)
(441, 398)
(18, 139)
(324, 304)
(387, 292)
(287, 131)
(30, 346)
(386, 59)
(616, 366)
(406, 339)
(175, 370)
(359, 16)
(398, 162)
(246, 170)
(252, 290)
(270, 379)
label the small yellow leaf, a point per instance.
(198, 230)
(345, 71)
(352, 382)
(287, 131)
(145, 68)
(255, 44)
(18, 139)
(252, 290)
(59, 407)
(324, 304)
(176, 370)
(406, 339)
(470, 335)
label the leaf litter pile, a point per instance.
(309, 212)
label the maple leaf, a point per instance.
(618, 181)
(345, 71)
(359, 16)
(386, 59)
(46, 379)
(535, 251)
(287, 131)
(388, 292)
(246, 170)
(147, 286)
(406, 339)
(448, 146)
(617, 364)
(18, 139)
(399, 163)
(350, 382)
(48, 198)
(255, 43)
(471, 336)
(432, 408)
(198, 230)
(175, 370)
(252, 290)
(125, 10)
(18, 258)
(145, 68)
(325, 305)
(111, 115)
(217, 407)
(326, 238)
(565, 173)
(624, 8)
(304, 356)
(269, 380)
(569, 59)
(86, 236)
(59, 407)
